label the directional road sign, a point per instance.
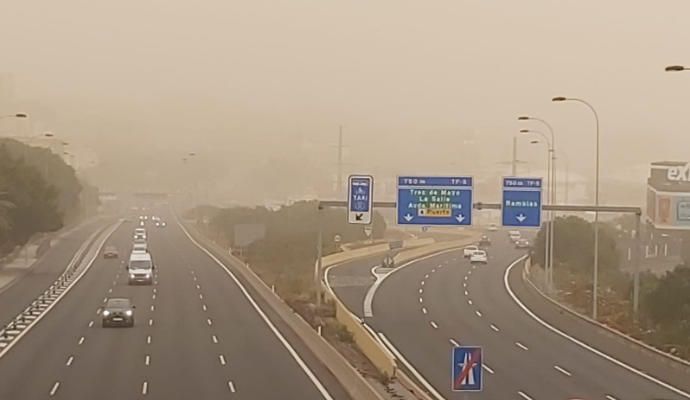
(437, 200)
(521, 205)
(360, 199)
(467, 369)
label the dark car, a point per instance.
(484, 241)
(110, 252)
(118, 311)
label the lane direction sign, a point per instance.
(467, 369)
(434, 200)
(521, 206)
(360, 199)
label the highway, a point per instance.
(428, 307)
(197, 335)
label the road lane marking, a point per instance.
(423, 283)
(145, 388)
(110, 290)
(421, 291)
(90, 324)
(432, 323)
(478, 313)
(433, 270)
(105, 299)
(466, 293)
(609, 397)
(54, 389)
(466, 277)
(464, 284)
(454, 342)
(148, 339)
(201, 296)
(426, 276)
(209, 322)
(98, 311)
(222, 359)
(214, 338)
(152, 307)
(494, 327)
(487, 368)
(198, 287)
(147, 360)
(154, 290)
(522, 346)
(69, 361)
(562, 370)
(580, 343)
(305, 368)
(469, 272)
(420, 300)
(150, 321)
(231, 386)
(81, 340)
(153, 296)
(469, 301)
(524, 396)
(203, 307)
(423, 310)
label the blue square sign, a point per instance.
(360, 199)
(434, 200)
(467, 369)
(521, 206)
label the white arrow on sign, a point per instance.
(521, 217)
(460, 218)
(408, 217)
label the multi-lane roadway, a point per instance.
(198, 334)
(531, 349)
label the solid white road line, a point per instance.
(522, 346)
(81, 340)
(487, 369)
(145, 388)
(580, 343)
(231, 386)
(222, 359)
(90, 324)
(524, 396)
(409, 366)
(69, 361)
(54, 389)
(433, 324)
(423, 310)
(148, 339)
(478, 313)
(454, 342)
(214, 338)
(562, 370)
(319, 386)
(494, 327)
(147, 360)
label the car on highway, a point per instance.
(469, 250)
(160, 224)
(118, 311)
(140, 247)
(110, 252)
(479, 257)
(493, 227)
(140, 268)
(514, 235)
(522, 243)
(484, 241)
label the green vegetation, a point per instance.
(38, 192)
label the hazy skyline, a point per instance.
(242, 83)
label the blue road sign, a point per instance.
(521, 205)
(360, 199)
(467, 369)
(438, 200)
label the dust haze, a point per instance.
(257, 90)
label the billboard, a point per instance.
(668, 195)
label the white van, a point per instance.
(514, 236)
(140, 247)
(140, 267)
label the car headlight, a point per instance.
(128, 313)
(106, 313)
(131, 276)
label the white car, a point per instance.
(469, 250)
(479, 256)
(514, 236)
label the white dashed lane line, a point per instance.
(90, 324)
(209, 322)
(469, 301)
(70, 360)
(433, 324)
(609, 397)
(494, 327)
(198, 287)
(231, 386)
(148, 339)
(214, 338)
(221, 358)
(153, 296)
(524, 396)
(54, 389)
(426, 276)
(423, 283)
(81, 340)
(147, 360)
(487, 368)
(152, 307)
(98, 311)
(151, 322)
(201, 296)
(421, 291)
(522, 346)
(562, 370)
(423, 310)
(145, 388)
(466, 277)
(420, 300)
(467, 293)
(454, 342)
(203, 307)
(479, 314)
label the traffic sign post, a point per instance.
(360, 199)
(521, 206)
(437, 200)
(467, 369)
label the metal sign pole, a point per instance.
(636, 277)
(319, 259)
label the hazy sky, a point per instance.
(419, 86)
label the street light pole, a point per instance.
(595, 283)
